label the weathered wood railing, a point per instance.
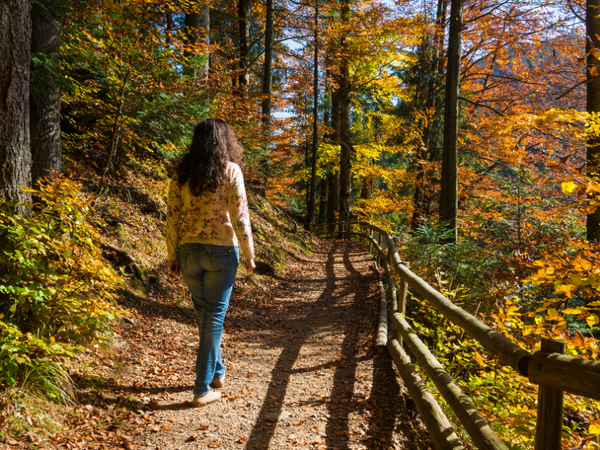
(549, 368)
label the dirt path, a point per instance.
(302, 371)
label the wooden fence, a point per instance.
(549, 368)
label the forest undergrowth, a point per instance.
(72, 277)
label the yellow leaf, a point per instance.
(552, 312)
(571, 311)
(594, 429)
(568, 187)
(595, 52)
(567, 289)
(592, 320)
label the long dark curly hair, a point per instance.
(214, 144)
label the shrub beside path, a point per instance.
(302, 372)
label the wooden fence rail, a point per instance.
(549, 368)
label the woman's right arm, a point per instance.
(174, 205)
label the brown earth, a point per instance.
(301, 371)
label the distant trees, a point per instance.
(348, 117)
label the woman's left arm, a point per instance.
(240, 216)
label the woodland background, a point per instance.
(468, 129)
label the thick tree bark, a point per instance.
(268, 68)
(197, 30)
(315, 141)
(15, 153)
(244, 37)
(593, 106)
(44, 90)
(449, 183)
(345, 138)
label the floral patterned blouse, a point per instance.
(210, 218)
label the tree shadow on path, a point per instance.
(345, 304)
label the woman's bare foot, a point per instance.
(203, 400)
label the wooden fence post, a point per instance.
(378, 255)
(402, 300)
(370, 243)
(548, 428)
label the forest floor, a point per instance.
(302, 371)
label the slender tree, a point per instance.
(333, 200)
(431, 74)
(196, 30)
(15, 48)
(344, 121)
(315, 138)
(44, 90)
(267, 86)
(324, 182)
(323, 185)
(170, 26)
(244, 37)
(449, 184)
(593, 105)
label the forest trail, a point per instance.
(301, 369)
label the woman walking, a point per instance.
(206, 221)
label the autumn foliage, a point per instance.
(133, 86)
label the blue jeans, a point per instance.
(209, 271)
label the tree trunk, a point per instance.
(268, 68)
(367, 188)
(44, 90)
(170, 28)
(196, 30)
(323, 198)
(315, 141)
(244, 37)
(593, 106)
(433, 72)
(114, 140)
(333, 203)
(267, 88)
(345, 138)
(324, 194)
(449, 183)
(15, 153)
